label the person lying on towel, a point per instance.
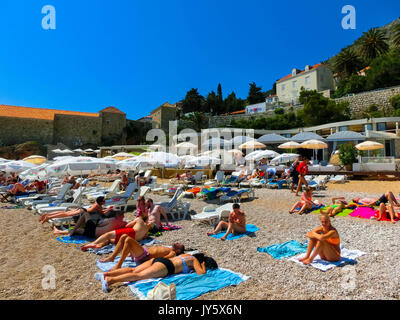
(236, 223)
(306, 202)
(137, 229)
(385, 198)
(323, 241)
(96, 208)
(158, 268)
(341, 205)
(139, 254)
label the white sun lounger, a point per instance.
(60, 206)
(212, 214)
(49, 199)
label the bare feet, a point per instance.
(56, 231)
(109, 259)
(223, 238)
(90, 246)
(210, 233)
(302, 259)
(307, 261)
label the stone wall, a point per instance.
(20, 130)
(75, 131)
(113, 127)
(361, 101)
(357, 103)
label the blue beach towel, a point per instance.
(314, 207)
(284, 250)
(111, 247)
(191, 285)
(250, 229)
(106, 266)
(74, 239)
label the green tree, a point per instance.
(384, 71)
(197, 121)
(193, 101)
(395, 103)
(373, 112)
(318, 109)
(255, 94)
(348, 154)
(211, 103)
(373, 43)
(220, 100)
(396, 35)
(347, 62)
(354, 84)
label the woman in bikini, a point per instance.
(158, 268)
(306, 202)
(341, 204)
(324, 241)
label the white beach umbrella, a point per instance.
(284, 158)
(80, 166)
(78, 150)
(203, 161)
(260, 154)
(252, 144)
(35, 159)
(290, 145)
(16, 166)
(314, 144)
(38, 172)
(369, 145)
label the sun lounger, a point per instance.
(212, 214)
(338, 179)
(219, 177)
(103, 192)
(60, 206)
(176, 205)
(42, 199)
(236, 196)
(120, 202)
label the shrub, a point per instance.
(348, 154)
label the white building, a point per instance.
(317, 77)
(256, 108)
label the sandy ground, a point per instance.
(27, 247)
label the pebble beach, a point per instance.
(27, 247)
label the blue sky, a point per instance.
(136, 55)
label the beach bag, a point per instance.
(162, 292)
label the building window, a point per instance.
(107, 121)
(307, 80)
(367, 127)
(344, 128)
(294, 84)
(381, 126)
(283, 87)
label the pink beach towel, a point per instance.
(363, 212)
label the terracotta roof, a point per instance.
(38, 113)
(112, 110)
(302, 71)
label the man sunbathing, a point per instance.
(158, 268)
(324, 241)
(97, 207)
(236, 223)
(385, 198)
(137, 229)
(155, 213)
(140, 254)
(306, 202)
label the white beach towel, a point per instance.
(347, 256)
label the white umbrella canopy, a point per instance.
(272, 138)
(289, 145)
(38, 172)
(203, 161)
(185, 145)
(284, 158)
(369, 145)
(2, 160)
(235, 152)
(16, 166)
(236, 141)
(252, 144)
(57, 151)
(160, 158)
(313, 144)
(79, 166)
(133, 164)
(78, 150)
(260, 154)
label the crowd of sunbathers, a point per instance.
(13, 187)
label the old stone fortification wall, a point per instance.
(357, 103)
(75, 131)
(113, 127)
(20, 130)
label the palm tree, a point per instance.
(396, 35)
(373, 43)
(347, 63)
